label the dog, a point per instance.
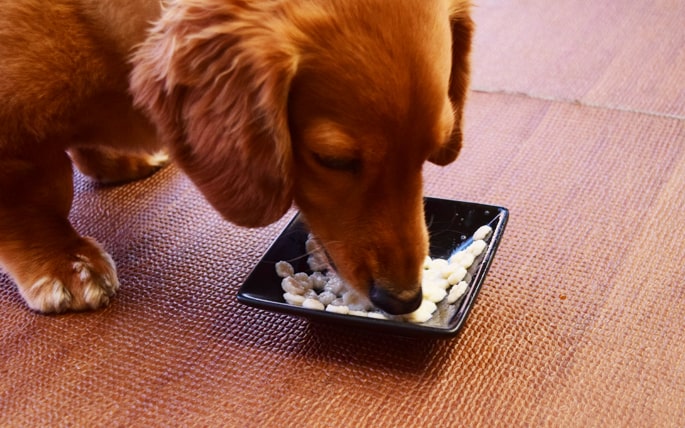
(331, 105)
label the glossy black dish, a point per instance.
(451, 225)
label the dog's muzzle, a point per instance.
(392, 304)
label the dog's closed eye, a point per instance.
(338, 163)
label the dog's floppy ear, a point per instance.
(462, 31)
(215, 78)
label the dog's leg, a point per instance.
(108, 166)
(54, 267)
(116, 143)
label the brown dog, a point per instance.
(334, 105)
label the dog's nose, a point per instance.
(393, 304)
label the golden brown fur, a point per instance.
(334, 105)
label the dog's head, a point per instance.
(335, 106)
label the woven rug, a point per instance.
(576, 123)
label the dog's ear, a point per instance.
(215, 81)
(462, 31)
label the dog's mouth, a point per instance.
(379, 296)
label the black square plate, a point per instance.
(451, 225)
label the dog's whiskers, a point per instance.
(314, 250)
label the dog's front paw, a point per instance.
(81, 280)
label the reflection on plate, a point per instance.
(450, 224)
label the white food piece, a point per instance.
(334, 284)
(293, 299)
(441, 283)
(310, 294)
(356, 301)
(434, 293)
(310, 303)
(338, 309)
(449, 270)
(284, 269)
(326, 297)
(458, 275)
(358, 313)
(457, 291)
(318, 281)
(292, 286)
(482, 232)
(302, 278)
(312, 245)
(423, 313)
(454, 258)
(462, 258)
(435, 282)
(317, 262)
(466, 260)
(477, 247)
(431, 274)
(317, 259)
(427, 262)
(438, 264)
(377, 315)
